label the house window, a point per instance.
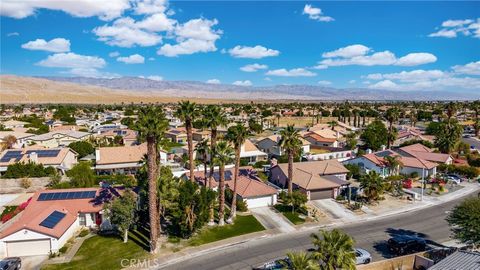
(83, 220)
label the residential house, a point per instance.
(12, 124)
(200, 135)
(177, 135)
(51, 218)
(122, 159)
(317, 140)
(62, 159)
(376, 162)
(20, 136)
(250, 188)
(461, 259)
(317, 179)
(270, 145)
(422, 152)
(250, 153)
(129, 137)
(58, 138)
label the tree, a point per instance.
(202, 149)
(222, 156)
(375, 135)
(391, 115)
(372, 186)
(151, 125)
(82, 175)
(167, 190)
(9, 141)
(213, 118)
(290, 141)
(296, 200)
(475, 106)
(237, 135)
(394, 164)
(121, 212)
(83, 148)
(301, 261)
(448, 135)
(332, 124)
(335, 250)
(187, 112)
(465, 221)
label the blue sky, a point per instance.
(379, 45)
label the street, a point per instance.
(472, 142)
(428, 223)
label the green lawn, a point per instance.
(101, 252)
(287, 212)
(242, 225)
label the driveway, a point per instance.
(271, 219)
(335, 210)
(33, 262)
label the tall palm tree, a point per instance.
(187, 112)
(394, 164)
(223, 155)
(334, 249)
(150, 127)
(213, 118)
(391, 115)
(237, 135)
(332, 124)
(290, 141)
(301, 261)
(203, 149)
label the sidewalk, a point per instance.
(272, 220)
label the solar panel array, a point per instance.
(175, 131)
(383, 154)
(52, 220)
(17, 155)
(72, 195)
(45, 153)
(228, 176)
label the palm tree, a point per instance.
(391, 115)
(223, 155)
(203, 149)
(372, 185)
(394, 164)
(290, 141)
(476, 108)
(150, 127)
(301, 261)
(334, 249)
(213, 118)
(187, 112)
(237, 135)
(332, 124)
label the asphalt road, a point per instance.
(472, 141)
(371, 235)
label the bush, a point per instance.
(414, 175)
(22, 170)
(425, 143)
(83, 148)
(354, 171)
(241, 205)
(467, 171)
(81, 175)
(83, 233)
(63, 249)
(340, 198)
(26, 183)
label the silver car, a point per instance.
(362, 256)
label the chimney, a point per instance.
(369, 151)
(384, 147)
(97, 155)
(33, 157)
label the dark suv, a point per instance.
(404, 244)
(11, 263)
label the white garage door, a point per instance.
(28, 248)
(259, 202)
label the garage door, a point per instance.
(28, 248)
(320, 194)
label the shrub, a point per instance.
(241, 205)
(260, 164)
(21, 170)
(353, 171)
(26, 183)
(414, 175)
(63, 249)
(83, 233)
(467, 171)
(340, 198)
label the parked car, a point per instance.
(454, 178)
(362, 256)
(405, 244)
(11, 263)
(274, 265)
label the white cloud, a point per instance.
(256, 52)
(359, 55)
(124, 32)
(352, 81)
(409, 76)
(132, 59)
(324, 82)
(451, 28)
(72, 60)
(196, 35)
(91, 73)
(472, 68)
(12, 34)
(156, 23)
(348, 52)
(213, 81)
(150, 6)
(242, 83)
(105, 10)
(56, 45)
(253, 67)
(114, 54)
(296, 72)
(155, 78)
(316, 14)
(415, 59)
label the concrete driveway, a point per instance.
(271, 219)
(335, 210)
(33, 262)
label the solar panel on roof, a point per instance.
(63, 196)
(383, 154)
(53, 219)
(228, 176)
(42, 196)
(70, 195)
(50, 196)
(11, 154)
